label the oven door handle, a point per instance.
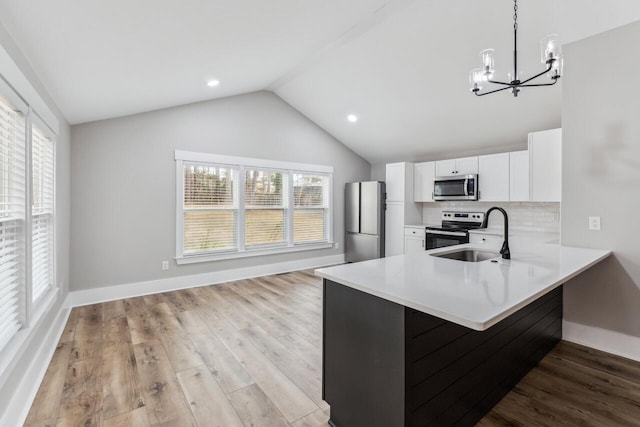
(466, 187)
(447, 233)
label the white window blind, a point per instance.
(311, 207)
(210, 208)
(235, 206)
(42, 213)
(12, 220)
(265, 212)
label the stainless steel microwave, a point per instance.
(457, 187)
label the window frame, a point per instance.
(18, 91)
(288, 169)
(31, 311)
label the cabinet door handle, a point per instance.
(423, 243)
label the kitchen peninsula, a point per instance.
(417, 339)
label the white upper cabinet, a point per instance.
(519, 176)
(467, 166)
(445, 167)
(399, 182)
(545, 162)
(424, 174)
(494, 177)
(461, 166)
(529, 175)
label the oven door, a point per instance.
(440, 239)
(463, 187)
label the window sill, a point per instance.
(192, 259)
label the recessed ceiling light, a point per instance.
(213, 83)
(352, 118)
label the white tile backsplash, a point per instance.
(526, 216)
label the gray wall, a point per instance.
(378, 172)
(601, 176)
(123, 183)
(11, 380)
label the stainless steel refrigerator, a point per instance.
(364, 220)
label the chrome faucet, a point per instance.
(506, 253)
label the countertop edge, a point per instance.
(406, 303)
(475, 325)
(491, 322)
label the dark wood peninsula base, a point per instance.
(385, 364)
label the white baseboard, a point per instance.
(602, 339)
(130, 290)
(22, 397)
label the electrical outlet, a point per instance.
(336, 245)
(594, 223)
(165, 265)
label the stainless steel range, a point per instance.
(454, 230)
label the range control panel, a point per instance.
(463, 216)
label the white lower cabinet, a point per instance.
(414, 239)
(493, 240)
(394, 224)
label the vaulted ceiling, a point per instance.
(401, 66)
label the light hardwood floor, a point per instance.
(248, 353)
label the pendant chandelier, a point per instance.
(551, 55)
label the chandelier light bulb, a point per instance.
(556, 69)
(488, 61)
(550, 48)
(476, 78)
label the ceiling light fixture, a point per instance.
(352, 118)
(551, 55)
(213, 83)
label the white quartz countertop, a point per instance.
(476, 295)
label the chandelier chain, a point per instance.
(515, 15)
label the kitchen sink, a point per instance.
(468, 255)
